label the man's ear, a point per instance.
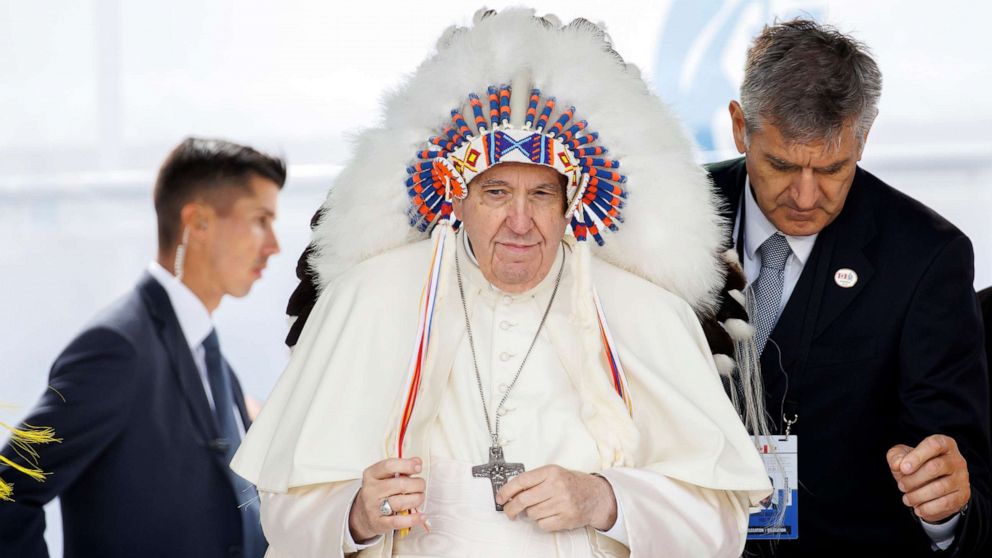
(739, 126)
(456, 206)
(198, 218)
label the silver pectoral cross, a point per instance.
(498, 471)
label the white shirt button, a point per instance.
(502, 388)
(505, 325)
(505, 356)
(502, 412)
(507, 299)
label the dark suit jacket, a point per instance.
(985, 299)
(136, 471)
(891, 360)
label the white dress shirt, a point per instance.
(757, 229)
(195, 323)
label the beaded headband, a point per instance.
(442, 172)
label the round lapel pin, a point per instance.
(845, 278)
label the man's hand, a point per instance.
(933, 477)
(389, 478)
(559, 499)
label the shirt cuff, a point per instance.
(350, 546)
(941, 534)
(619, 530)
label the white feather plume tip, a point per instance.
(671, 231)
(731, 256)
(739, 330)
(724, 364)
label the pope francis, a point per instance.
(475, 379)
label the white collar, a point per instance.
(194, 319)
(757, 229)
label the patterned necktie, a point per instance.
(219, 377)
(767, 288)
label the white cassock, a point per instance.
(682, 467)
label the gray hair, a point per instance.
(809, 80)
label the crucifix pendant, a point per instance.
(498, 471)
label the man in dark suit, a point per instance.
(147, 408)
(864, 310)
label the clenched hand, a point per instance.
(933, 477)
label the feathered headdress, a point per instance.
(524, 88)
(521, 88)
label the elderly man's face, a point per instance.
(800, 187)
(514, 218)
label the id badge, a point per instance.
(778, 515)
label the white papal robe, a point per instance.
(687, 498)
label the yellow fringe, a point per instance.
(6, 489)
(23, 440)
(33, 472)
(32, 434)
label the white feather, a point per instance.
(738, 296)
(724, 364)
(671, 233)
(739, 330)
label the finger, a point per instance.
(524, 500)
(895, 456)
(926, 473)
(404, 502)
(519, 483)
(548, 508)
(398, 485)
(941, 508)
(933, 490)
(401, 521)
(388, 468)
(930, 447)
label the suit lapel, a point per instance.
(181, 360)
(729, 189)
(853, 229)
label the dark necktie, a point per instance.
(219, 377)
(767, 288)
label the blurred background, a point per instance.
(94, 93)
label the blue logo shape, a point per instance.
(694, 47)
